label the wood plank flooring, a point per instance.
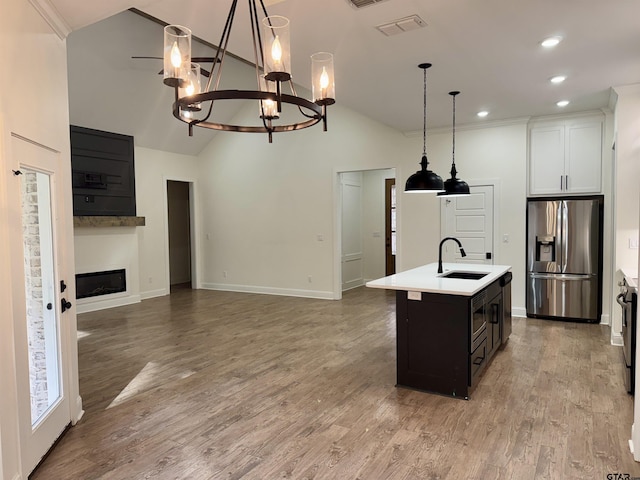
(219, 385)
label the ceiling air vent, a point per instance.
(401, 25)
(363, 3)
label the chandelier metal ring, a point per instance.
(316, 110)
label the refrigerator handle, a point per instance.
(564, 227)
(560, 277)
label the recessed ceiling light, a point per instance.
(562, 103)
(558, 79)
(551, 42)
(482, 114)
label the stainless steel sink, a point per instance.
(465, 275)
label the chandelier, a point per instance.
(195, 103)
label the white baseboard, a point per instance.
(518, 312)
(287, 292)
(93, 304)
(616, 339)
(79, 412)
(161, 292)
(605, 320)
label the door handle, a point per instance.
(65, 304)
(49, 306)
(488, 255)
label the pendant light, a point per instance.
(454, 187)
(424, 180)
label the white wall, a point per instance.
(36, 109)
(267, 204)
(627, 126)
(153, 169)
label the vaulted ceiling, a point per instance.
(489, 50)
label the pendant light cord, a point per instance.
(424, 116)
(453, 151)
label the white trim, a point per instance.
(287, 292)
(160, 292)
(193, 231)
(337, 222)
(83, 306)
(471, 126)
(79, 412)
(47, 11)
(520, 312)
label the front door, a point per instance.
(470, 220)
(39, 303)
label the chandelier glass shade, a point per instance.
(454, 187)
(424, 180)
(195, 101)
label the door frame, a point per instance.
(62, 212)
(488, 182)
(390, 258)
(337, 222)
(193, 230)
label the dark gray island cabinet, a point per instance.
(447, 330)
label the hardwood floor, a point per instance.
(219, 385)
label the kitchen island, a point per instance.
(448, 328)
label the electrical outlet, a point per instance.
(224, 274)
(150, 280)
(633, 242)
(309, 278)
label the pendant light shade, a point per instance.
(424, 180)
(454, 187)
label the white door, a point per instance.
(352, 250)
(43, 393)
(470, 220)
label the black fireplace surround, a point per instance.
(100, 283)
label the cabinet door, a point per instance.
(583, 163)
(546, 160)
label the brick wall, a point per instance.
(33, 292)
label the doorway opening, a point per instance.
(364, 222)
(179, 233)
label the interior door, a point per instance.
(390, 225)
(40, 349)
(470, 220)
(352, 249)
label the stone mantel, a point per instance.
(107, 221)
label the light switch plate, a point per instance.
(414, 295)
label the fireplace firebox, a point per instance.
(100, 283)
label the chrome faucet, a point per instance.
(462, 252)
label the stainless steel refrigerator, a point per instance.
(564, 258)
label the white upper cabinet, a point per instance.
(565, 157)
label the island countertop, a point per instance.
(427, 279)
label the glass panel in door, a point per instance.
(40, 295)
